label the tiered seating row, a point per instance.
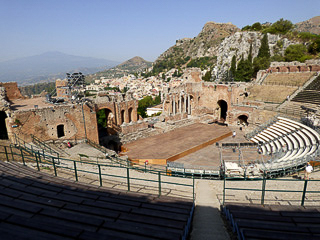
(273, 221)
(288, 139)
(314, 85)
(288, 79)
(36, 205)
(308, 96)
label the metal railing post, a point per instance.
(304, 192)
(5, 150)
(224, 189)
(159, 180)
(100, 177)
(39, 156)
(128, 179)
(11, 153)
(75, 170)
(37, 162)
(54, 166)
(263, 191)
(22, 157)
(193, 187)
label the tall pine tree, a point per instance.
(264, 51)
(233, 67)
(262, 61)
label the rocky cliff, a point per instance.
(239, 44)
(204, 45)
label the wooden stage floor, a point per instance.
(175, 144)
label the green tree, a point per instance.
(256, 26)
(281, 26)
(250, 54)
(147, 102)
(244, 71)
(264, 50)
(314, 47)
(143, 105)
(233, 67)
(260, 63)
(207, 76)
(101, 118)
(296, 52)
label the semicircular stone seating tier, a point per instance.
(291, 141)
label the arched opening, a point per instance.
(223, 105)
(309, 68)
(190, 104)
(278, 69)
(60, 131)
(113, 145)
(105, 121)
(130, 113)
(243, 120)
(3, 127)
(122, 116)
(288, 69)
(299, 69)
(182, 104)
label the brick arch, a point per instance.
(242, 118)
(122, 116)
(223, 105)
(130, 114)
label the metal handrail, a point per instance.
(39, 158)
(43, 145)
(263, 189)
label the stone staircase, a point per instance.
(294, 108)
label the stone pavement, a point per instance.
(207, 223)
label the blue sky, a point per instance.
(120, 29)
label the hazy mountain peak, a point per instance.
(49, 65)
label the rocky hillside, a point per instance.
(131, 66)
(239, 43)
(217, 43)
(204, 45)
(312, 25)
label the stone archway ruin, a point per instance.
(130, 114)
(223, 107)
(243, 120)
(3, 127)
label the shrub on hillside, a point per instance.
(279, 27)
(296, 52)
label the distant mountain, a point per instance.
(131, 66)
(48, 66)
(312, 25)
